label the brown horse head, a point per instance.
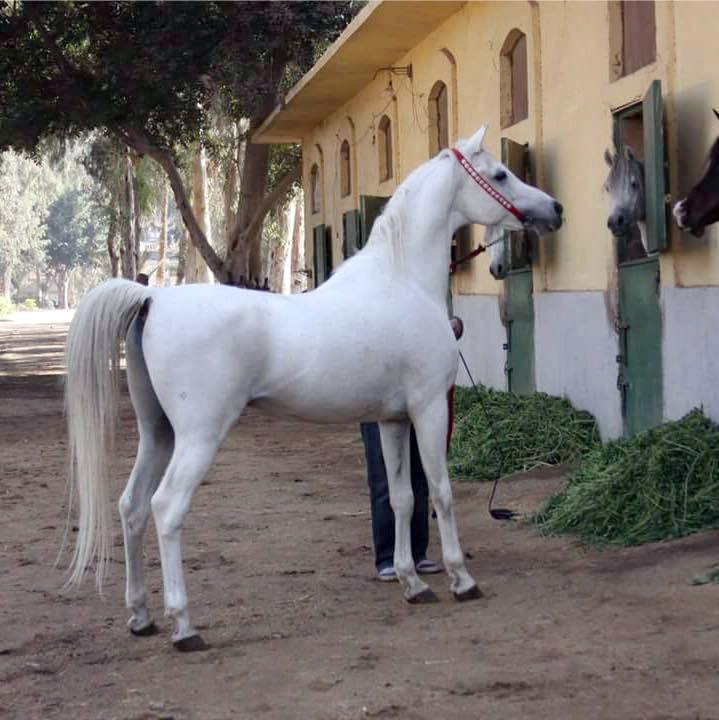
(701, 206)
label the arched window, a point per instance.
(438, 118)
(385, 148)
(632, 36)
(315, 189)
(345, 182)
(513, 79)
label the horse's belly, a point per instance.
(327, 404)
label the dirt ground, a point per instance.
(280, 576)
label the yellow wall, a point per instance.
(571, 100)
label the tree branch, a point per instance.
(267, 204)
(142, 144)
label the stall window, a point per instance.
(438, 119)
(385, 149)
(632, 34)
(315, 189)
(345, 182)
(514, 102)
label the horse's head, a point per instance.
(625, 186)
(701, 206)
(490, 194)
(495, 240)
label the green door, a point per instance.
(520, 331)
(640, 345)
(318, 247)
(639, 326)
(370, 208)
(518, 289)
(351, 233)
(322, 246)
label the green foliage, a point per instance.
(74, 229)
(70, 67)
(24, 192)
(29, 304)
(658, 484)
(498, 433)
(6, 306)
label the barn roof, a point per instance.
(382, 33)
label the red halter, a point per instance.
(472, 172)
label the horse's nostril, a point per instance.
(620, 220)
(558, 208)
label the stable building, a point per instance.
(631, 340)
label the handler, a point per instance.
(380, 508)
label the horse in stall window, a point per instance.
(627, 206)
(701, 205)
(373, 343)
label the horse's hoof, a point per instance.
(473, 593)
(423, 598)
(145, 631)
(194, 643)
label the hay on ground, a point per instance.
(497, 433)
(659, 484)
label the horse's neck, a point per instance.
(427, 231)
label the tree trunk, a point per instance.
(112, 249)
(182, 255)
(293, 212)
(245, 251)
(7, 282)
(137, 228)
(127, 223)
(298, 280)
(196, 270)
(63, 280)
(163, 239)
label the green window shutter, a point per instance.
(318, 245)
(654, 179)
(329, 265)
(370, 208)
(518, 249)
(351, 232)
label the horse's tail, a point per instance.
(92, 356)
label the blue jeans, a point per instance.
(382, 515)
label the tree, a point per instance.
(75, 232)
(22, 217)
(151, 74)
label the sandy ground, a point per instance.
(281, 584)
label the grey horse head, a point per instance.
(625, 186)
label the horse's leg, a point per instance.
(192, 457)
(153, 455)
(395, 449)
(431, 430)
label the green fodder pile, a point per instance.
(658, 484)
(497, 433)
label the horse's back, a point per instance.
(339, 353)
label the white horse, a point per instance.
(372, 343)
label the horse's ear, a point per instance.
(474, 144)
(629, 153)
(608, 158)
(716, 112)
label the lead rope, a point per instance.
(496, 513)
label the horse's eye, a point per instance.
(634, 185)
(500, 175)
